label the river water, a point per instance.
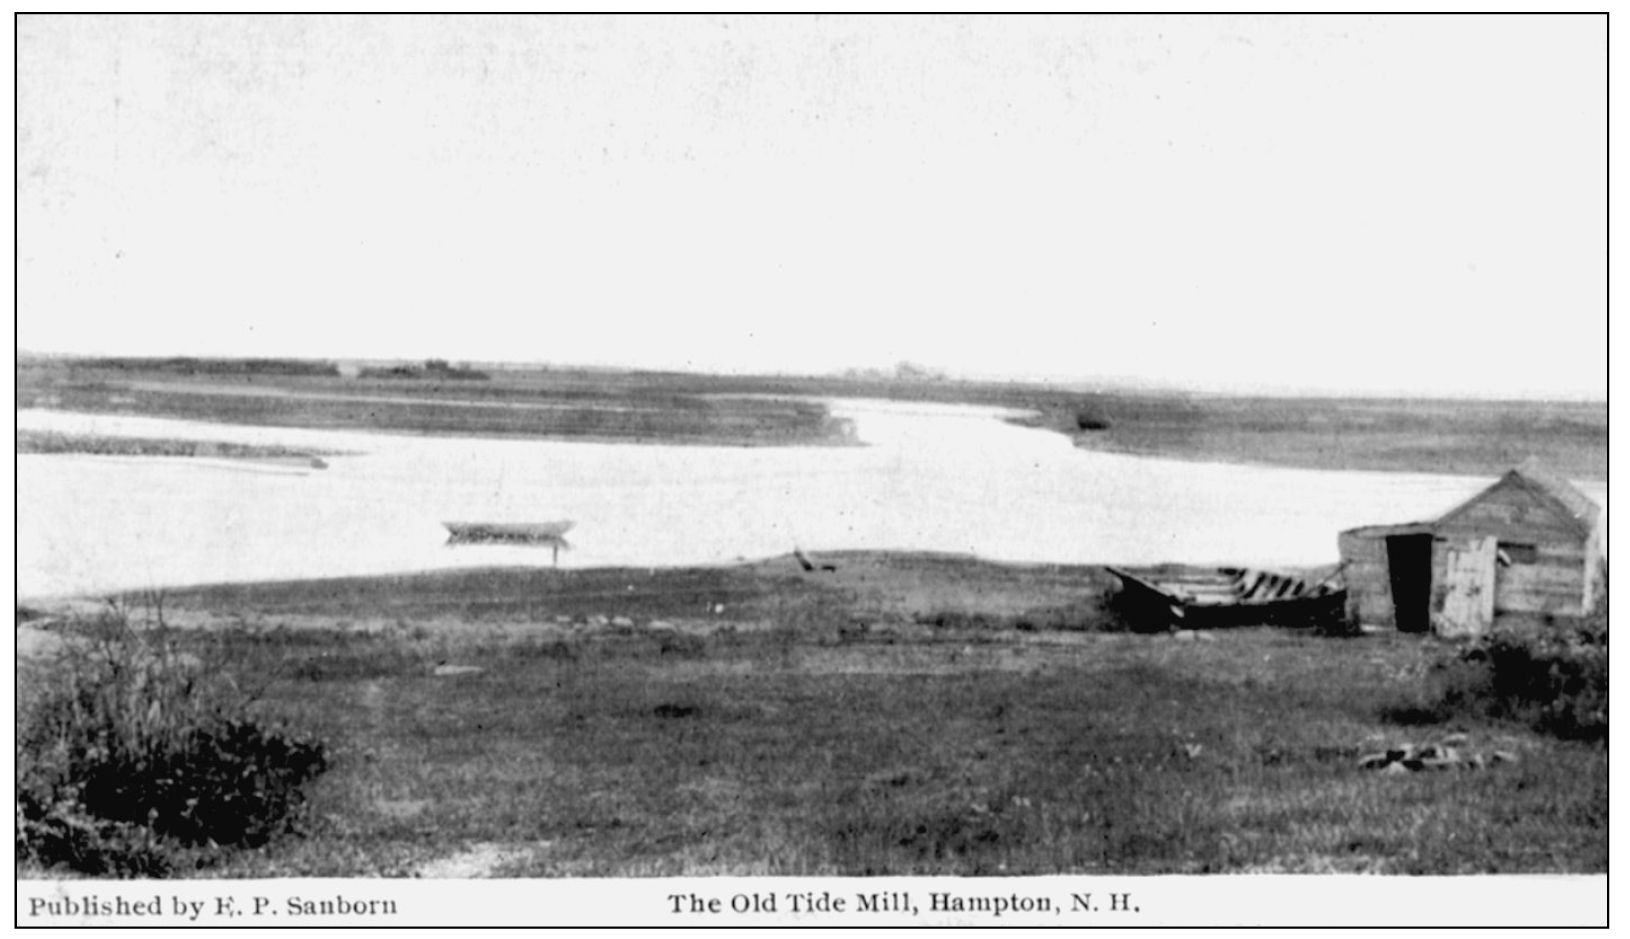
(931, 477)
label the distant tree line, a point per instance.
(432, 368)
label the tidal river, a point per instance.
(931, 477)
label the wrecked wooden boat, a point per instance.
(551, 535)
(1190, 598)
(540, 533)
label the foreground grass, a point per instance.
(755, 721)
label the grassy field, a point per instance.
(1470, 437)
(906, 714)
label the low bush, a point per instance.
(1553, 679)
(1555, 682)
(133, 759)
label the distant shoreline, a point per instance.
(1450, 436)
(55, 442)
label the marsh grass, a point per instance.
(1373, 434)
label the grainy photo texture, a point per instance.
(980, 447)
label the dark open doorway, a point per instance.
(1409, 561)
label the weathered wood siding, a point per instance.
(1550, 535)
(1463, 585)
(1593, 568)
(1555, 580)
(1554, 583)
(1369, 584)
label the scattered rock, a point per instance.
(1185, 635)
(1206, 636)
(621, 621)
(893, 778)
(445, 671)
(598, 620)
(1503, 756)
(1445, 755)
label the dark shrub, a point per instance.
(129, 753)
(1555, 681)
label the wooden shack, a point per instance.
(1530, 545)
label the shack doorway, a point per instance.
(1409, 564)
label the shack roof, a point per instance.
(1534, 476)
(1387, 531)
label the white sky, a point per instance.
(1335, 204)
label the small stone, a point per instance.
(1456, 740)
(661, 624)
(1205, 636)
(1504, 756)
(445, 671)
(621, 621)
(1185, 635)
(1395, 769)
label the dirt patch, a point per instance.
(479, 860)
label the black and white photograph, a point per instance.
(861, 470)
